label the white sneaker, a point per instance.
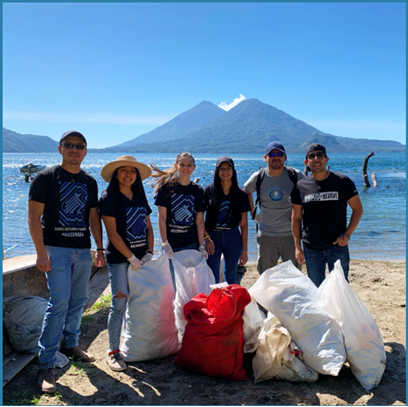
(116, 362)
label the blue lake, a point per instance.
(379, 236)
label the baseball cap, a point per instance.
(73, 133)
(274, 145)
(315, 147)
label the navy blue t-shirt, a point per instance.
(182, 206)
(131, 224)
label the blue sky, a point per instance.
(117, 70)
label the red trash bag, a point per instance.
(213, 340)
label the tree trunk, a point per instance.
(365, 177)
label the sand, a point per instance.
(379, 284)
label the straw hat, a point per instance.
(124, 161)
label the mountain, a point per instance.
(249, 127)
(27, 143)
(178, 127)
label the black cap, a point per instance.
(315, 147)
(225, 159)
(73, 133)
(274, 145)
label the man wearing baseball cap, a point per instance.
(273, 186)
(62, 207)
(320, 201)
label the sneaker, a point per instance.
(46, 380)
(115, 361)
(78, 354)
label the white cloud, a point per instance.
(86, 118)
(227, 107)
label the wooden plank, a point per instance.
(15, 364)
(15, 264)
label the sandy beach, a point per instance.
(379, 284)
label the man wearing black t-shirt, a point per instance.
(321, 200)
(62, 207)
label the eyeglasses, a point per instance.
(67, 144)
(278, 154)
(312, 156)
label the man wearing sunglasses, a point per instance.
(273, 185)
(321, 200)
(62, 207)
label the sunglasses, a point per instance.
(278, 154)
(67, 144)
(312, 156)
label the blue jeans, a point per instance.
(316, 262)
(193, 246)
(119, 282)
(228, 242)
(68, 283)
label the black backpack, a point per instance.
(261, 175)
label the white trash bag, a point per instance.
(193, 276)
(150, 329)
(291, 297)
(364, 344)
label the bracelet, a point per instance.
(99, 248)
(348, 236)
(206, 237)
(149, 251)
(164, 244)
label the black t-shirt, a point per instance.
(67, 198)
(182, 206)
(131, 224)
(324, 208)
(227, 214)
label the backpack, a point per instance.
(261, 175)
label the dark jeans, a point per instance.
(316, 262)
(228, 242)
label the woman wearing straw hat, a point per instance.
(125, 212)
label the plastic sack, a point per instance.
(193, 276)
(291, 297)
(276, 355)
(253, 320)
(364, 345)
(213, 340)
(23, 318)
(150, 329)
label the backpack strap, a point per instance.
(292, 175)
(259, 180)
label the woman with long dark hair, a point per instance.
(226, 221)
(125, 212)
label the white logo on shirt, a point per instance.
(322, 196)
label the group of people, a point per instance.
(63, 210)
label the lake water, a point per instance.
(379, 236)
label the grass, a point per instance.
(103, 302)
(22, 399)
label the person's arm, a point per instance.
(243, 224)
(96, 230)
(209, 244)
(162, 218)
(200, 227)
(356, 214)
(150, 235)
(296, 231)
(114, 237)
(250, 199)
(35, 211)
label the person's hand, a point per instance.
(202, 250)
(300, 256)
(134, 262)
(146, 258)
(209, 246)
(243, 259)
(43, 262)
(257, 218)
(99, 258)
(168, 250)
(341, 240)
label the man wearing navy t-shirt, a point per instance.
(62, 207)
(320, 201)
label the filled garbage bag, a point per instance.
(193, 276)
(213, 339)
(150, 329)
(364, 344)
(23, 318)
(291, 297)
